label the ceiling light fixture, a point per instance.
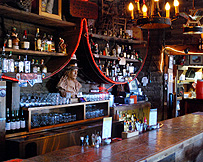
(151, 18)
(193, 25)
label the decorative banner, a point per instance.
(83, 9)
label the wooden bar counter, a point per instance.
(179, 139)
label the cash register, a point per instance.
(124, 93)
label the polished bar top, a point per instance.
(156, 144)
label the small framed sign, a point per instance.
(83, 9)
(48, 8)
(196, 60)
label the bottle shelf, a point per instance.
(113, 58)
(91, 69)
(31, 52)
(121, 40)
(28, 17)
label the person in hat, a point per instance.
(68, 82)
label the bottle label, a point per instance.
(34, 69)
(21, 67)
(17, 124)
(8, 126)
(44, 70)
(27, 66)
(25, 45)
(13, 125)
(9, 43)
(22, 124)
(12, 69)
(5, 66)
(39, 42)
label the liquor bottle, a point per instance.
(11, 67)
(17, 121)
(13, 123)
(21, 65)
(22, 121)
(125, 126)
(35, 66)
(201, 42)
(43, 67)
(110, 68)
(27, 65)
(9, 40)
(32, 65)
(38, 67)
(15, 40)
(38, 41)
(53, 49)
(120, 35)
(8, 122)
(25, 44)
(16, 64)
(113, 69)
(129, 52)
(106, 68)
(4, 61)
(44, 43)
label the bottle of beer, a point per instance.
(8, 122)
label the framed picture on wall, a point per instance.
(48, 8)
(196, 60)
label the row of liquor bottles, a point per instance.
(113, 33)
(21, 65)
(117, 50)
(44, 44)
(114, 69)
(15, 121)
(132, 123)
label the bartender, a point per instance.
(68, 82)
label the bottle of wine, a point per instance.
(25, 44)
(17, 121)
(38, 41)
(13, 123)
(22, 121)
(8, 121)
